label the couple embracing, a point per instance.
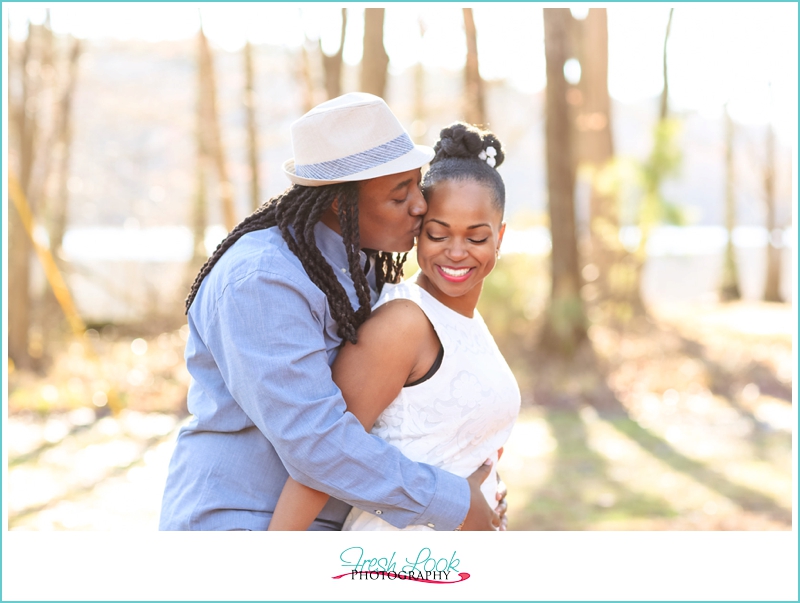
(327, 393)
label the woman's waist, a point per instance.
(460, 462)
(456, 450)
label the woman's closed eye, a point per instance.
(439, 239)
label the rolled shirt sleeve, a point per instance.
(267, 336)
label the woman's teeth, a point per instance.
(454, 272)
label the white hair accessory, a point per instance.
(488, 156)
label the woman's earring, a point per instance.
(497, 253)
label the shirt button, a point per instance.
(344, 270)
(430, 525)
(378, 512)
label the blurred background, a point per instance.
(644, 295)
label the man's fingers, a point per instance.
(503, 523)
(502, 491)
(502, 506)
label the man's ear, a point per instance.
(335, 206)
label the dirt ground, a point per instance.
(685, 425)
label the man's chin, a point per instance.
(401, 248)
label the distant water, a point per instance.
(174, 243)
(155, 244)
(663, 241)
(131, 274)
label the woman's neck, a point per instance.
(464, 304)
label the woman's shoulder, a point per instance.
(399, 329)
(398, 314)
(402, 290)
(404, 302)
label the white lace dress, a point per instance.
(461, 415)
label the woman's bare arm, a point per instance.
(297, 507)
(396, 345)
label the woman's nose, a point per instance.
(456, 251)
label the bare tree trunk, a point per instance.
(306, 81)
(664, 109)
(199, 213)
(659, 165)
(566, 324)
(203, 166)
(54, 198)
(218, 151)
(613, 268)
(19, 244)
(419, 127)
(47, 119)
(332, 65)
(729, 289)
(58, 223)
(26, 121)
(772, 286)
(252, 128)
(594, 118)
(474, 105)
(39, 191)
(375, 61)
(19, 314)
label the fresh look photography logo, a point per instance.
(422, 567)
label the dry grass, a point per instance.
(684, 423)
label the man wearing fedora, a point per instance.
(266, 316)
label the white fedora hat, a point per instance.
(352, 137)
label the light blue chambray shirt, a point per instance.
(261, 342)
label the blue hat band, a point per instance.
(359, 162)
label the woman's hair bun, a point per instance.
(465, 141)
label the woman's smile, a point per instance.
(455, 275)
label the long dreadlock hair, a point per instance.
(296, 211)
